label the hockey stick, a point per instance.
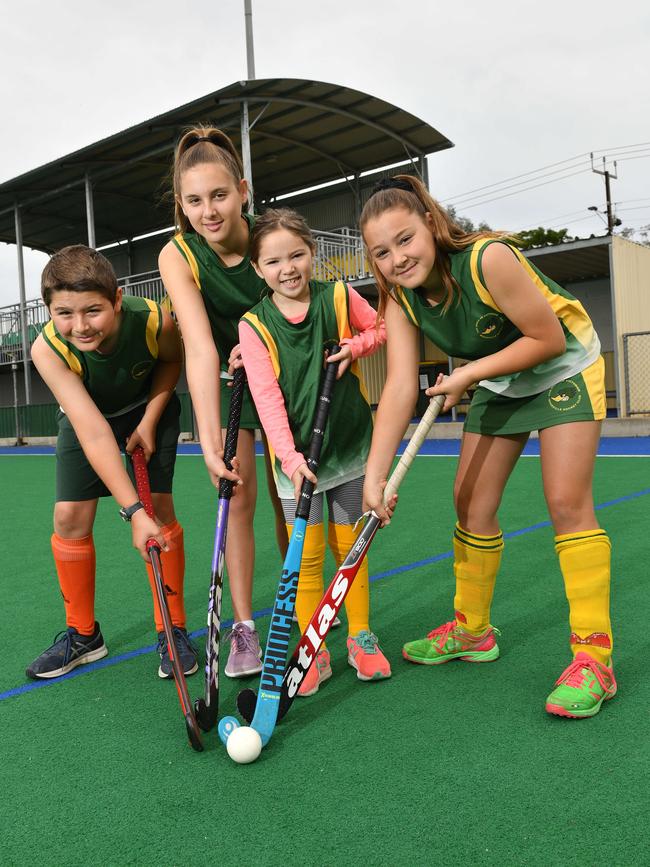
(275, 658)
(153, 549)
(207, 709)
(311, 640)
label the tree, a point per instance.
(639, 236)
(465, 223)
(540, 237)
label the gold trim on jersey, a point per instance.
(341, 310)
(345, 331)
(153, 327)
(481, 289)
(594, 378)
(401, 298)
(191, 259)
(264, 333)
(66, 354)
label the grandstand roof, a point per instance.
(574, 261)
(303, 133)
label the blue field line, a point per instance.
(607, 447)
(264, 612)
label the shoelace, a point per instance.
(367, 641)
(442, 632)
(183, 640)
(573, 676)
(179, 636)
(244, 638)
(65, 636)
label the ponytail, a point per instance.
(200, 145)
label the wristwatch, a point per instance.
(127, 513)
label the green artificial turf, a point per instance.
(454, 763)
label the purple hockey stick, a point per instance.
(207, 708)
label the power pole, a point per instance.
(612, 220)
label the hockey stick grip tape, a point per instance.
(413, 447)
(318, 434)
(232, 430)
(143, 489)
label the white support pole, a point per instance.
(246, 150)
(90, 212)
(250, 48)
(245, 124)
(27, 371)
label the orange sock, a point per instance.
(173, 569)
(75, 567)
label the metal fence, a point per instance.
(339, 256)
(636, 360)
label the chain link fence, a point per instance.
(636, 358)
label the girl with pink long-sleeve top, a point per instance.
(283, 341)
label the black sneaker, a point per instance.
(186, 653)
(69, 650)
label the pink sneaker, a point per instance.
(318, 672)
(364, 655)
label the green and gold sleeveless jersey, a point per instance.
(474, 326)
(296, 351)
(121, 380)
(227, 292)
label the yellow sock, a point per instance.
(310, 583)
(476, 563)
(357, 603)
(585, 563)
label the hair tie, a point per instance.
(391, 184)
(203, 138)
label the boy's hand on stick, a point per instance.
(144, 528)
(144, 436)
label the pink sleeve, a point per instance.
(363, 318)
(268, 399)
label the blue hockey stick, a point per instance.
(277, 644)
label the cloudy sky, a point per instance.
(525, 90)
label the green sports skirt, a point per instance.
(578, 398)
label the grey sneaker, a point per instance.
(69, 650)
(245, 652)
(186, 653)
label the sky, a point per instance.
(524, 90)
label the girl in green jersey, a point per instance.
(283, 340)
(207, 272)
(536, 358)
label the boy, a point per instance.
(112, 363)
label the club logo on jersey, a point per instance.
(490, 325)
(565, 395)
(141, 369)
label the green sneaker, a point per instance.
(450, 641)
(581, 688)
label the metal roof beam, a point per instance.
(331, 109)
(81, 180)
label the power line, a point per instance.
(466, 205)
(482, 195)
(516, 177)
